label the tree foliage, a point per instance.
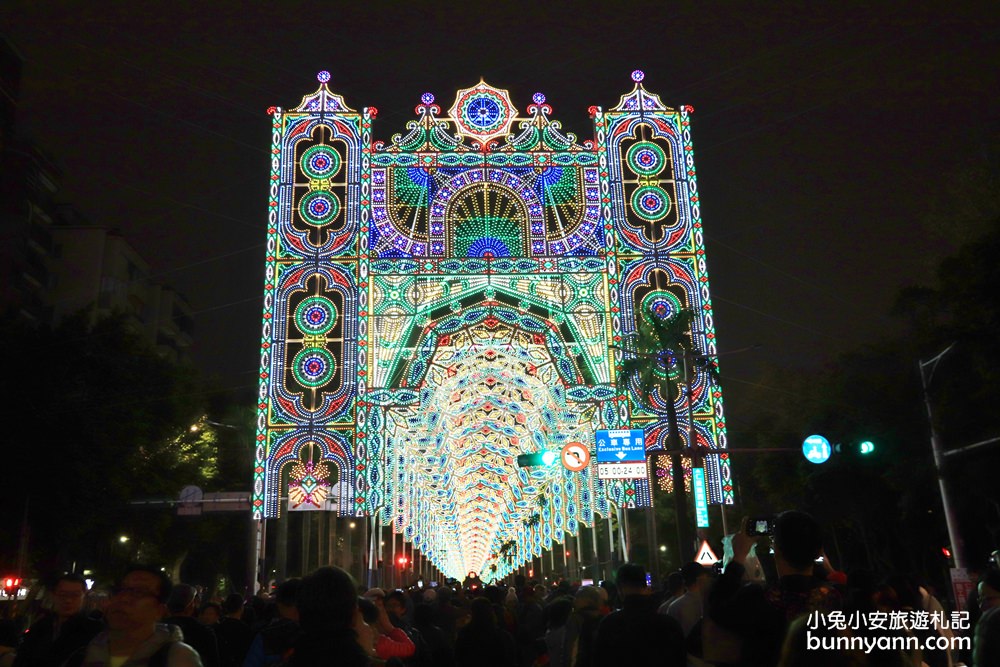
(97, 421)
(883, 511)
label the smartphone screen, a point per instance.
(760, 526)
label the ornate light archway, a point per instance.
(436, 304)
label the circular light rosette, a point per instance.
(646, 158)
(660, 305)
(320, 162)
(319, 207)
(315, 316)
(484, 112)
(650, 203)
(313, 366)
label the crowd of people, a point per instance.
(801, 612)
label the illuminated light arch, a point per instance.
(334, 449)
(382, 346)
(500, 389)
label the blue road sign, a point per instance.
(620, 446)
(816, 449)
(700, 497)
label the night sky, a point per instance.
(824, 138)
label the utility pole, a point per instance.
(957, 545)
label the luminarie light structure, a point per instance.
(440, 303)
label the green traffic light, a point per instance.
(544, 458)
(867, 447)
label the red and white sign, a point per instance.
(705, 555)
(621, 470)
(962, 585)
(575, 457)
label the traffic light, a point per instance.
(859, 447)
(402, 560)
(11, 585)
(545, 458)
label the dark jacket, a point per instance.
(637, 635)
(234, 639)
(273, 643)
(485, 646)
(329, 650)
(760, 616)
(41, 646)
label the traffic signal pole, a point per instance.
(957, 545)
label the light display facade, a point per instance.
(440, 303)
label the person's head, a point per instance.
(695, 577)
(798, 541)
(327, 601)
(183, 600)
(395, 604)
(232, 606)
(673, 585)
(364, 623)
(69, 594)
(611, 592)
(494, 594)
(587, 599)
(285, 598)
(423, 615)
(989, 589)
(139, 600)
(558, 611)
(631, 579)
(906, 594)
(482, 613)
(376, 595)
(210, 613)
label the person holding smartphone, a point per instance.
(759, 615)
